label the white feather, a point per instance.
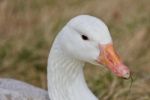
(65, 63)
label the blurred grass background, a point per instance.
(28, 27)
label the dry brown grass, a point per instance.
(28, 27)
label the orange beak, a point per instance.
(110, 58)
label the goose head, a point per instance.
(88, 39)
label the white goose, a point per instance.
(84, 39)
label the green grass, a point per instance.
(28, 27)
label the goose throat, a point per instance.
(65, 77)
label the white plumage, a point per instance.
(66, 60)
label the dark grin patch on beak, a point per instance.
(112, 61)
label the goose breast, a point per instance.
(16, 90)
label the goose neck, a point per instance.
(65, 78)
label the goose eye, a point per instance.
(85, 37)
